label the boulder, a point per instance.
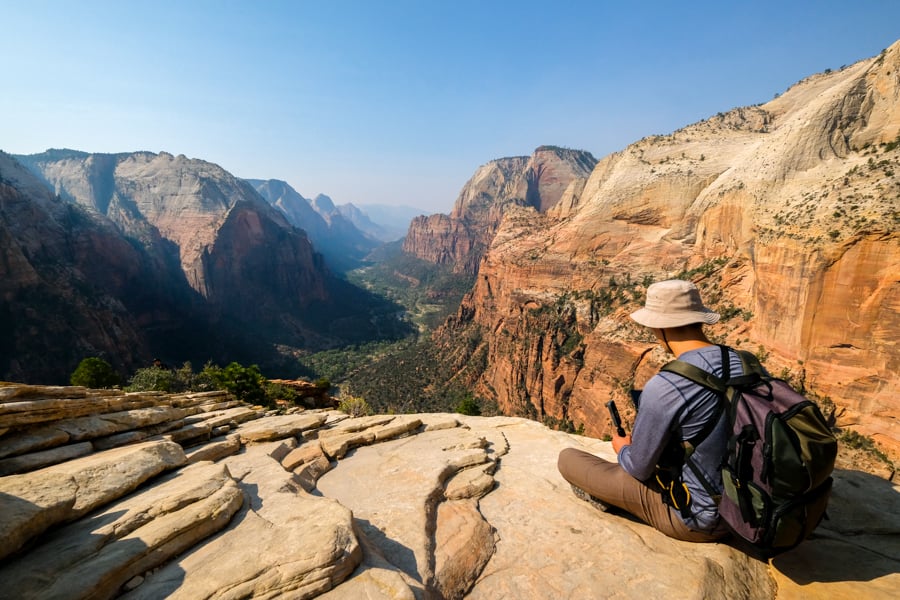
(464, 543)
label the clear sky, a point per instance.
(399, 101)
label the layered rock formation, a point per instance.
(71, 286)
(541, 181)
(227, 238)
(111, 495)
(139, 255)
(785, 214)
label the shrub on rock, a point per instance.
(94, 372)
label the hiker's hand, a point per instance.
(619, 441)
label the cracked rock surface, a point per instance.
(316, 504)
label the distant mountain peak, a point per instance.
(323, 204)
(341, 243)
(539, 181)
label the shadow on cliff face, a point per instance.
(355, 315)
(861, 505)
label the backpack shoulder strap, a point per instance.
(750, 362)
(696, 374)
(719, 385)
(753, 371)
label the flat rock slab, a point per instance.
(443, 505)
(95, 557)
(215, 449)
(553, 545)
(43, 409)
(94, 426)
(374, 579)
(353, 433)
(30, 505)
(279, 427)
(404, 482)
(307, 452)
(33, 502)
(283, 543)
(32, 440)
(855, 553)
(44, 458)
(230, 417)
(108, 475)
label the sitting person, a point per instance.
(672, 413)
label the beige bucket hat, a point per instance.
(673, 303)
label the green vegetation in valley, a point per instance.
(407, 375)
(469, 405)
(340, 364)
(397, 373)
(246, 383)
(184, 379)
(428, 292)
(408, 378)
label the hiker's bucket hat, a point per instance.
(673, 303)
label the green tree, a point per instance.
(94, 372)
(278, 391)
(469, 405)
(246, 383)
(183, 379)
(152, 379)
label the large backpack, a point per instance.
(780, 455)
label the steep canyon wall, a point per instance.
(540, 181)
(785, 214)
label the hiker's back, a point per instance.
(779, 459)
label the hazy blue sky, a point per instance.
(399, 102)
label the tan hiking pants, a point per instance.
(611, 484)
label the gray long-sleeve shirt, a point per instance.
(670, 403)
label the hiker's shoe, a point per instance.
(589, 499)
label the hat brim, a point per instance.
(658, 320)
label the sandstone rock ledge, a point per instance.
(146, 496)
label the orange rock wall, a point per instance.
(784, 214)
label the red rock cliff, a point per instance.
(785, 214)
(539, 181)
